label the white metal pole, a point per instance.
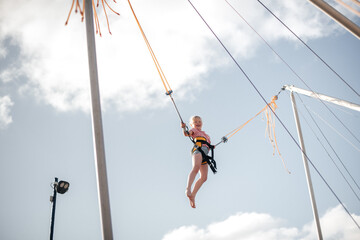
(99, 149)
(306, 166)
(337, 16)
(333, 100)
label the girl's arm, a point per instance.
(186, 133)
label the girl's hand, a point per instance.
(183, 125)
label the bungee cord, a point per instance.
(287, 130)
(270, 127)
(157, 65)
(156, 62)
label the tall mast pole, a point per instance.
(99, 149)
(306, 166)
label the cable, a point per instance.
(262, 97)
(334, 129)
(322, 133)
(340, 108)
(331, 148)
(310, 49)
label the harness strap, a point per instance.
(209, 159)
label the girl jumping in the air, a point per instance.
(199, 164)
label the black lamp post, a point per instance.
(59, 187)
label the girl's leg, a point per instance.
(203, 177)
(196, 160)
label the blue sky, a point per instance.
(45, 122)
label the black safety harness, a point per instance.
(198, 143)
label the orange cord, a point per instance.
(156, 62)
(96, 19)
(268, 111)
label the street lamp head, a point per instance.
(62, 187)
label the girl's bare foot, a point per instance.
(192, 201)
(191, 198)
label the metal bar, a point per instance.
(338, 17)
(53, 200)
(333, 100)
(99, 149)
(306, 166)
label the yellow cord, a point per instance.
(268, 111)
(157, 65)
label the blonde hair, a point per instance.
(193, 118)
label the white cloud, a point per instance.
(54, 57)
(5, 117)
(336, 224)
